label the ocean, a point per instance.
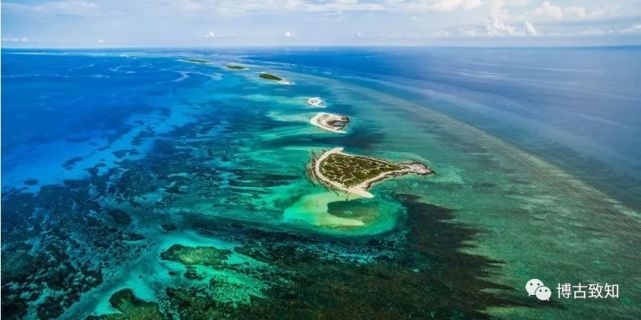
(159, 182)
(575, 107)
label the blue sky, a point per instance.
(120, 23)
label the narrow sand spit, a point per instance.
(330, 122)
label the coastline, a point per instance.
(360, 190)
(327, 121)
(509, 180)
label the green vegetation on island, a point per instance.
(353, 170)
(201, 61)
(236, 67)
(189, 256)
(355, 174)
(270, 76)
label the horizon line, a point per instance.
(303, 46)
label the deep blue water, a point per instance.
(57, 106)
(579, 108)
(68, 95)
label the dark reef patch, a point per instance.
(132, 308)
(363, 139)
(71, 162)
(55, 246)
(120, 216)
(429, 278)
(168, 227)
(192, 274)
(120, 153)
(420, 273)
(31, 182)
(131, 236)
(195, 303)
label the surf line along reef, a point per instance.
(354, 175)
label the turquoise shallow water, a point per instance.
(169, 152)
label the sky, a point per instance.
(177, 23)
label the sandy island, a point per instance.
(316, 102)
(355, 174)
(330, 121)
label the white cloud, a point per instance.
(496, 22)
(597, 30)
(235, 7)
(529, 28)
(550, 10)
(100, 40)
(635, 28)
(579, 12)
(495, 25)
(465, 32)
(64, 7)
(591, 31)
(322, 21)
(450, 5)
